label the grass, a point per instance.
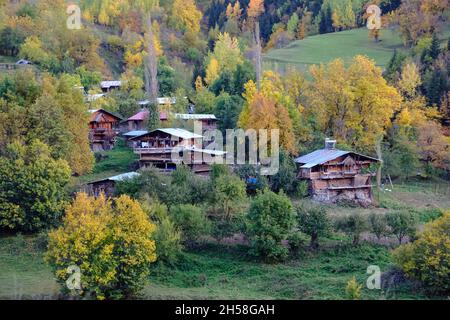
(228, 272)
(302, 54)
(216, 272)
(119, 160)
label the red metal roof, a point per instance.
(143, 115)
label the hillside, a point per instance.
(301, 54)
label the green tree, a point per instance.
(229, 192)
(32, 195)
(192, 222)
(402, 223)
(378, 225)
(313, 222)
(270, 221)
(353, 225)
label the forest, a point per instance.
(181, 235)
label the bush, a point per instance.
(353, 289)
(402, 223)
(167, 235)
(353, 225)
(302, 189)
(314, 222)
(271, 219)
(110, 241)
(378, 225)
(428, 258)
(191, 220)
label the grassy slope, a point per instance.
(302, 54)
(218, 272)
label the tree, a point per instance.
(270, 221)
(32, 195)
(255, 9)
(229, 193)
(191, 220)
(353, 224)
(409, 80)
(354, 105)
(286, 177)
(227, 109)
(378, 225)
(427, 259)
(402, 223)
(111, 241)
(10, 41)
(353, 289)
(292, 24)
(212, 71)
(185, 16)
(313, 222)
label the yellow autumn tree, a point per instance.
(109, 241)
(354, 104)
(185, 16)
(428, 258)
(213, 71)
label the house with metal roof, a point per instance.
(335, 175)
(107, 186)
(167, 148)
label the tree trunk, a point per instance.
(314, 243)
(151, 64)
(380, 157)
(258, 52)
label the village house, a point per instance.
(103, 129)
(107, 186)
(107, 86)
(166, 148)
(335, 175)
(138, 122)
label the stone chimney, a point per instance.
(330, 144)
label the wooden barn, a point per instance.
(167, 148)
(103, 129)
(107, 186)
(335, 175)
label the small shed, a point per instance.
(108, 186)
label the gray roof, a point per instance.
(188, 116)
(135, 133)
(323, 155)
(175, 132)
(120, 177)
(109, 84)
(124, 176)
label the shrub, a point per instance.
(191, 220)
(428, 258)
(167, 235)
(353, 225)
(314, 222)
(402, 223)
(302, 189)
(271, 219)
(378, 225)
(353, 289)
(110, 241)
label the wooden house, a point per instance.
(107, 186)
(138, 122)
(108, 86)
(103, 129)
(166, 148)
(335, 175)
